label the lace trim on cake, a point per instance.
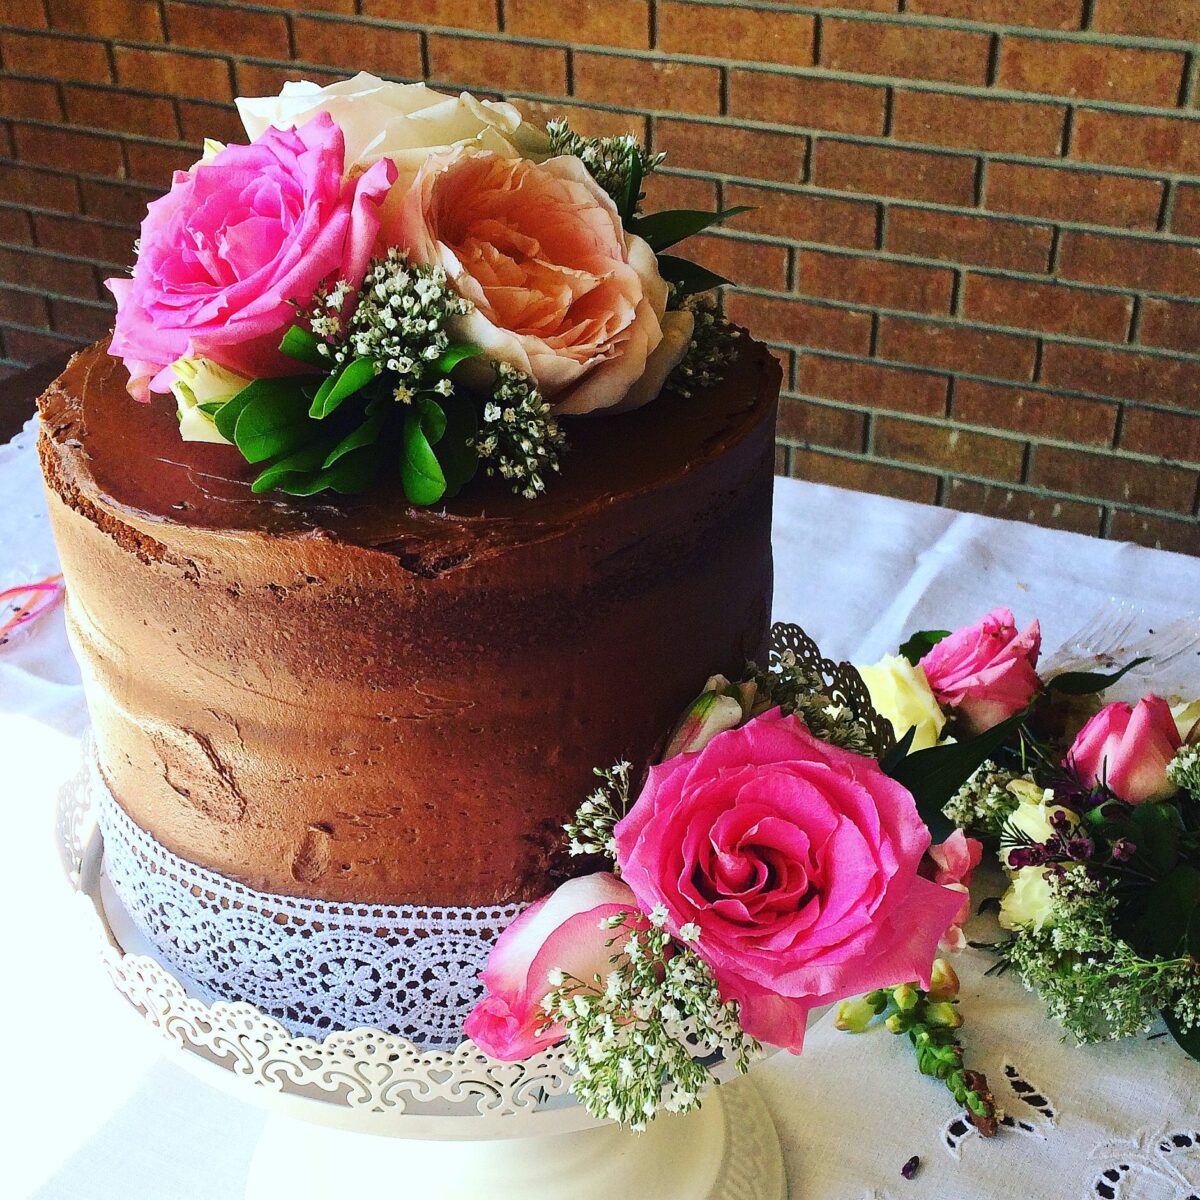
(315, 966)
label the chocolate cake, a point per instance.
(349, 698)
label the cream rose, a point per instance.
(901, 693)
(1029, 901)
(1034, 819)
(196, 381)
(404, 122)
(560, 291)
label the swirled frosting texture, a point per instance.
(355, 700)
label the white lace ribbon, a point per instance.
(315, 966)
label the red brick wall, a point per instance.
(976, 241)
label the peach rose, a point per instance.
(561, 292)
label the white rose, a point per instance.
(406, 122)
(1029, 902)
(1187, 719)
(196, 381)
(901, 693)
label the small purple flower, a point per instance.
(1123, 850)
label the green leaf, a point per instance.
(458, 458)
(300, 344)
(688, 277)
(273, 421)
(420, 472)
(898, 752)
(1171, 919)
(664, 229)
(225, 418)
(454, 354)
(353, 377)
(1085, 683)
(302, 462)
(935, 774)
(365, 434)
(1188, 1039)
(212, 407)
(921, 643)
(349, 475)
(633, 191)
(1157, 830)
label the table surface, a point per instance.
(105, 1113)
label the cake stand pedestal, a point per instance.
(368, 1113)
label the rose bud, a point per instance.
(1127, 750)
(985, 672)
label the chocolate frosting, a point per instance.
(353, 699)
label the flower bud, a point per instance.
(906, 997)
(943, 1015)
(853, 1016)
(943, 981)
(712, 712)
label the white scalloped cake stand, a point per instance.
(367, 1113)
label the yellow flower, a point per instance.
(1029, 902)
(201, 381)
(901, 693)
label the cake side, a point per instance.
(359, 700)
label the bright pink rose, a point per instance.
(561, 931)
(954, 862)
(1128, 750)
(232, 242)
(797, 862)
(561, 292)
(985, 672)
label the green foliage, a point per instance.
(921, 643)
(661, 230)
(933, 776)
(1086, 683)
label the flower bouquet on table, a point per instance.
(1092, 808)
(768, 865)
(388, 280)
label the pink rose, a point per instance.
(1128, 749)
(985, 672)
(560, 932)
(954, 862)
(561, 292)
(796, 860)
(232, 242)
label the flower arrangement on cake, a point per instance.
(1093, 811)
(769, 865)
(387, 280)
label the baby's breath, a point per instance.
(713, 347)
(519, 439)
(398, 320)
(1184, 770)
(611, 161)
(984, 804)
(1090, 979)
(797, 688)
(592, 830)
(642, 1039)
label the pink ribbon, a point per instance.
(28, 601)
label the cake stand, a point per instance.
(367, 1113)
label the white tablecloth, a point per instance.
(91, 1115)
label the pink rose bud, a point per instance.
(954, 862)
(985, 672)
(796, 861)
(1128, 749)
(722, 705)
(561, 932)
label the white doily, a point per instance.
(314, 966)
